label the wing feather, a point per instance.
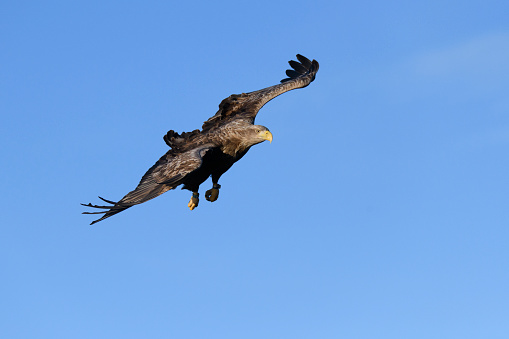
(297, 66)
(304, 61)
(292, 74)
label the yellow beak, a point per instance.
(267, 136)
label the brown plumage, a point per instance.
(224, 139)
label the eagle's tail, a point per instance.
(147, 189)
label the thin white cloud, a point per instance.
(477, 67)
(484, 56)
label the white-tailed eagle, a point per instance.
(224, 139)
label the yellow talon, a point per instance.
(193, 203)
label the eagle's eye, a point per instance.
(257, 131)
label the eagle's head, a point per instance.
(257, 133)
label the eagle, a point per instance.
(223, 140)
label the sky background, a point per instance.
(380, 210)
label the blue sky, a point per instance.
(378, 211)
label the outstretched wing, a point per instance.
(247, 105)
(166, 174)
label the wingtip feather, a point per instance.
(108, 201)
(304, 61)
(302, 68)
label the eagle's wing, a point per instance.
(247, 105)
(166, 174)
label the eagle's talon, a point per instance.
(193, 203)
(212, 194)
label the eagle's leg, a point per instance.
(213, 193)
(193, 203)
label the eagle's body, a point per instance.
(224, 139)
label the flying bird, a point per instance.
(223, 140)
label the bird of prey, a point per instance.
(223, 140)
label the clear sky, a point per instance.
(380, 210)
